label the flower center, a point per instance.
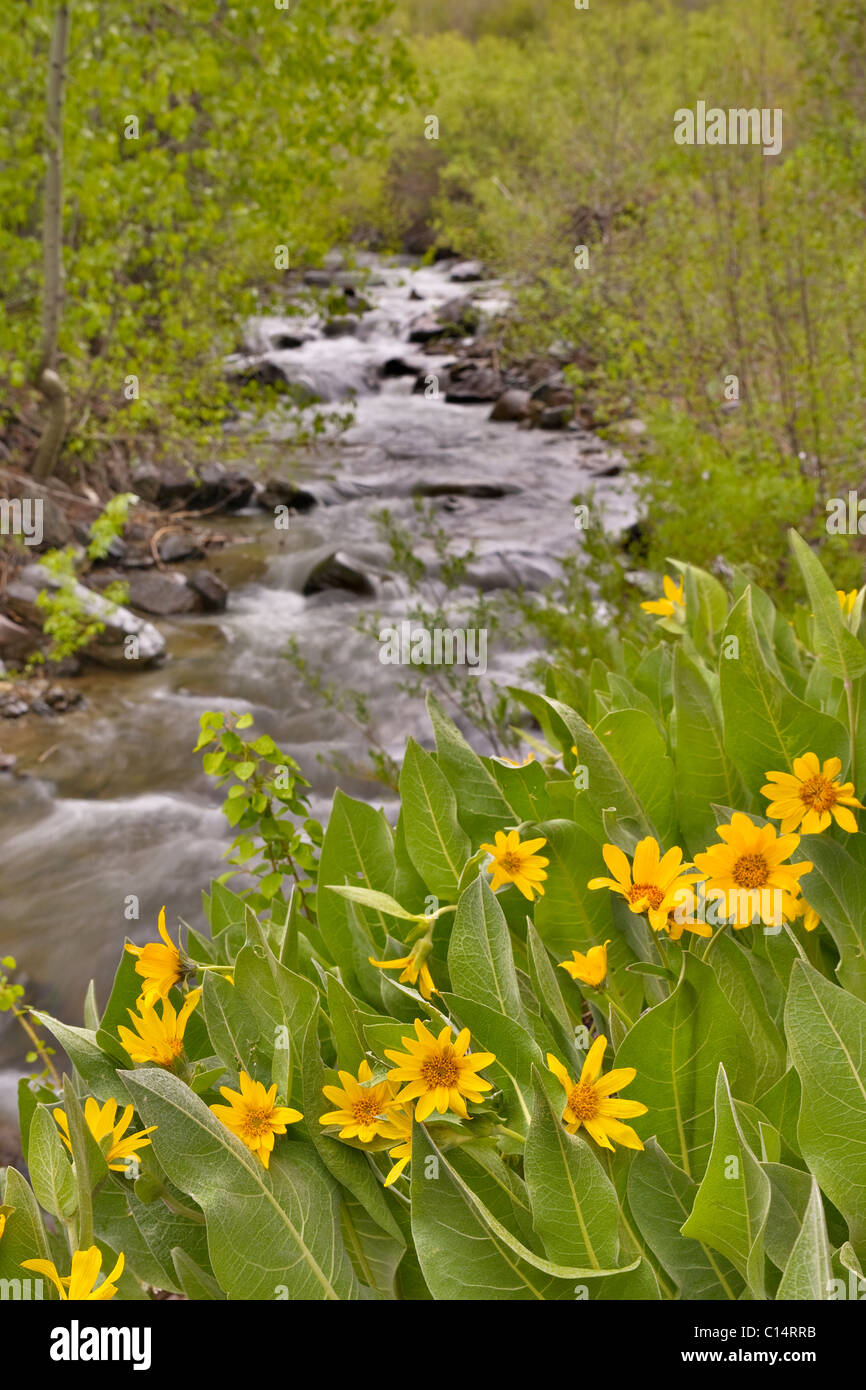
(751, 871)
(440, 1069)
(645, 892)
(256, 1122)
(365, 1110)
(511, 863)
(819, 793)
(583, 1101)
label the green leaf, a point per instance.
(733, 1200)
(464, 1251)
(369, 897)
(766, 726)
(50, 1166)
(80, 1044)
(513, 1046)
(789, 1197)
(267, 1230)
(231, 1025)
(826, 1030)
(808, 1273)
(375, 1256)
(676, 1048)
(704, 772)
(661, 1197)
(480, 962)
(358, 849)
(24, 1236)
(437, 844)
(734, 968)
(575, 1209)
(481, 807)
(196, 1283)
(836, 888)
(838, 648)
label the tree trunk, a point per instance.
(49, 382)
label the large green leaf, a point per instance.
(438, 845)
(836, 888)
(267, 1230)
(826, 1029)
(98, 1070)
(838, 648)
(733, 967)
(661, 1197)
(50, 1167)
(481, 807)
(24, 1236)
(808, 1275)
(733, 1200)
(574, 1204)
(464, 1251)
(480, 961)
(148, 1233)
(704, 772)
(766, 726)
(358, 848)
(676, 1048)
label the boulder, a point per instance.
(109, 647)
(554, 417)
(424, 328)
(212, 592)
(462, 314)
(512, 405)
(343, 326)
(163, 594)
(277, 492)
(178, 545)
(466, 271)
(16, 642)
(473, 383)
(338, 571)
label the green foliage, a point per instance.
(745, 1047)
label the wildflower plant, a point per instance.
(592, 1021)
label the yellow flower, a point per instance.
(591, 968)
(653, 884)
(101, 1123)
(517, 863)
(159, 966)
(413, 969)
(80, 1283)
(812, 797)
(253, 1117)
(159, 1040)
(437, 1072)
(673, 605)
(2, 1223)
(361, 1107)
(681, 918)
(588, 1100)
(846, 601)
(747, 873)
(811, 920)
(398, 1125)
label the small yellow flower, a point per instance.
(101, 1123)
(588, 1101)
(252, 1116)
(438, 1073)
(158, 1040)
(398, 1125)
(160, 966)
(673, 605)
(846, 601)
(80, 1284)
(748, 876)
(811, 920)
(654, 883)
(590, 969)
(682, 917)
(361, 1107)
(812, 797)
(517, 862)
(414, 967)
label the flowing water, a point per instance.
(113, 802)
